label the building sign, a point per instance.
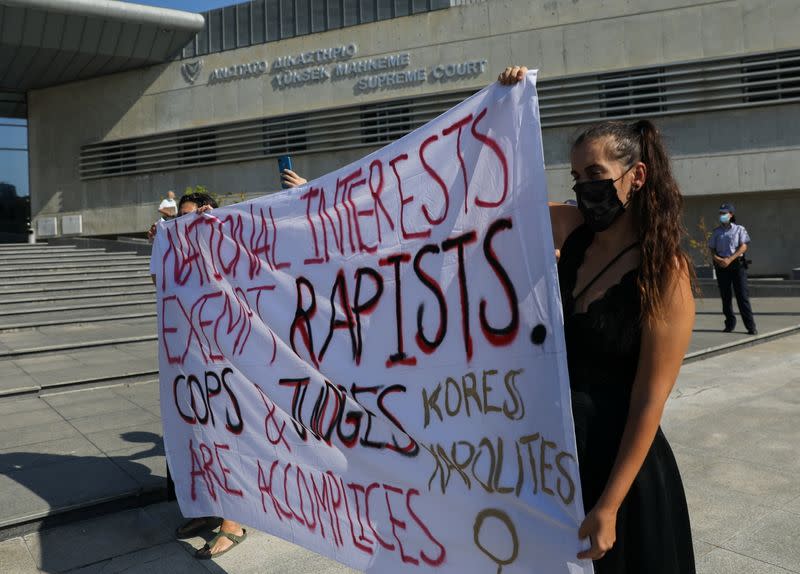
(323, 56)
(251, 70)
(191, 70)
(336, 64)
(367, 65)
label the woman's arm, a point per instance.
(663, 347)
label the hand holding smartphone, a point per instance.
(284, 163)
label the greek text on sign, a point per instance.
(372, 365)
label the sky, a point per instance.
(190, 5)
(14, 164)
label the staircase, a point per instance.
(79, 414)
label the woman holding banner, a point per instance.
(626, 289)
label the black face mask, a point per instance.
(598, 202)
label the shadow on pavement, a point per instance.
(123, 539)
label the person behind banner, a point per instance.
(230, 533)
(168, 208)
(290, 179)
(728, 244)
(627, 295)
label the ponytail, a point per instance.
(656, 207)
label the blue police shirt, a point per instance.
(725, 241)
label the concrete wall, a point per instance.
(748, 151)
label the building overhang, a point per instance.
(49, 42)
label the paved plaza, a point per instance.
(732, 422)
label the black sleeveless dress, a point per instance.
(653, 533)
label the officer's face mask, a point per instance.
(724, 218)
(598, 202)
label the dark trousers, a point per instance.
(170, 486)
(734, 277)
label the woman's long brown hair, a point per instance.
(657, 207)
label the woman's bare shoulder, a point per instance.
(564, 219)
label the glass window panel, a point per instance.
(202, 40)
(385, 9)
(319, 15)
(334, 14)
(273, 15)
(243, 24)
(188, 50)
(350, 16)
(287, 19)
(302, 17)
(402, 8)
(420, 6)
(14, 198)
(229, 27)
(258, 23)
(214, 31)
(367, 11)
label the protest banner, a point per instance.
(372, 365)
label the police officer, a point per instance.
(728, 244)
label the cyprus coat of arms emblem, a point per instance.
(191, 70)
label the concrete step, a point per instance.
(5, 246)
(35, 320)
(79, 271)
(71, 256)
(74, 346)
(71, 281)
(77, 295)
(33, 248)
(49, 253)
(72, 288)
(47, 301)
(108, 306)
(99, 264)
(77, 367)
(69, 336)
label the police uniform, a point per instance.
(724, 241)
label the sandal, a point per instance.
(195, 526)
(204, 553)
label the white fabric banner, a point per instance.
(373, 366)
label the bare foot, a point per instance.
(221, 544)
